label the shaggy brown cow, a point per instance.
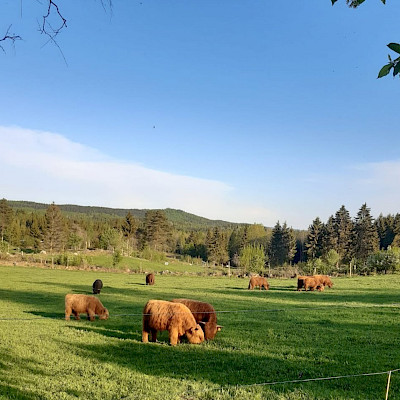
(204, 314)
(81, 303)
(311, 283)
(150, 280)
(300, 281)
(258, 281)
(324, 279)
(176, 318)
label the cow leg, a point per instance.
(173, 337)
(145, 337)
(68, 312)
(153, 335)
(76, 315)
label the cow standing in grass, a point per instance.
(97, 286)
(204, 315)
(150, 279)
(176, 318)
(259, 281)
(81, 303)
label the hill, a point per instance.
(180, 219)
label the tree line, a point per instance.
(341, 244)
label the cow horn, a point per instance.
(202, 322)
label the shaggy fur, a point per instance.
(97, 286)
(150, 280)
(300, 281)
(310, 283)
(258, 281)
(204, 315)
(81, 303)
(324, 280)
(176, 318)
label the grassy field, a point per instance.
(268, 336)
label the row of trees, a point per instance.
(338, 242)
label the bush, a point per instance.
(384, 261)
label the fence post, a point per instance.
(388, 385)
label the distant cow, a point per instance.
(97, 286)
(81, 303)
(204, 315)
(176, 318)
(258, 281)
(324, 279)
(300, 281)
(311, 283)
(150, 280)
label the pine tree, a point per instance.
(385, 227)
(283, 245)
(6, 214)
(217, 246)
(314, 239)
(329, 238)
(54, 238)
(366, 240)
(344, 234)
(156, 229)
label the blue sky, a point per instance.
(248, 111)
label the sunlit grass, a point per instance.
(284, 335)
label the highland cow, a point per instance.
(258, 281)
(176, 318)
(311, 283)
(150, 280)
(324, 280)
(81, 303)
(204, 315)
(300, 281)
(97, 286)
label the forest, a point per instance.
(341, 245)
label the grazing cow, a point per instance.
(300, 281)
(176, 318)
(150, 280)
(258, 281)
(311, 283)
(324, 279)
(204, 314)
(81, 303)
(97, 286)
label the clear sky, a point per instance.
(245, 110)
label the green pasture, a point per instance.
(268, 336)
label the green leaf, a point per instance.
(385, 70)
(394, 46)
(396, 69)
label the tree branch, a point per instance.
(9, 36)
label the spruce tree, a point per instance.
(344, 234)
(54, 238)
(6, 214)
(366, 240)
(329, 238)
(156, 229)
(314, 239)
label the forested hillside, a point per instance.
(340, 245)
(180, 219)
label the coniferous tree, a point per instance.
(6, 214)
(283, 245)
(289, 241)
(217, 247)
(344, 234)
(329, 238)
(54, 238)
(156, 229)
(314, 239)
(366, 240)
(385, 227)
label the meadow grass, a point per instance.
(267, 336)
